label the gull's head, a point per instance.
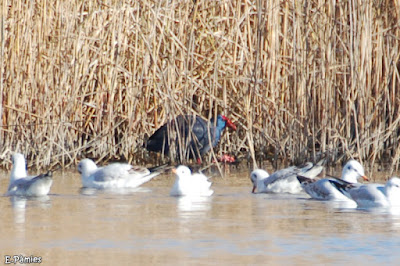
(17, 158)
(393, 191)
(86, 167)
(352, 171)
(257, 177)
(182, 171)
(394, 182)
(19, 166)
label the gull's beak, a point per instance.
(254, 189)
(173, 170)
(365, 178)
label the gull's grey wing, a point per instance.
(290, 173)
(24, 184)
(343, 186)
(374, 193)
(123, 171)
(112, 172)
(280, 174)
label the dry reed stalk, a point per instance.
(302, 79)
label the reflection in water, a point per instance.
(191, 212)
(19, 205)
(341, 204)
(394, 216)
(87, 191)
(193, 206)
(390, 215)
(120, 191)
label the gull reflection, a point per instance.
(20, 204)
(394, 216)
(189, 206)
(388, 215)
(87, 191)
(341, 204)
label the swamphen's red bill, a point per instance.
(229, 123)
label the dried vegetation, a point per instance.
(300, 78)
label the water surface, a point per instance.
(146, 226)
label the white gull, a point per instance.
(115, 175)
(23, 185)
(188, 184)
(283, 180)
(374, 195)
(326, 188)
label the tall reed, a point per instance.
(301, 78)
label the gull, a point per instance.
(115, 175)
(373, 195)
(188, 184)
(326, 189)
(23, 185)
(283, 180)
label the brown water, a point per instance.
(147, 227)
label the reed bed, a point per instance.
(301, 79)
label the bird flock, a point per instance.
(345, 189)
(200, 137)
(293, 180)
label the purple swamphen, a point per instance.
(189, 135)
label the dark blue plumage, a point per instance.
(190, 133)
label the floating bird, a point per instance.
(325, 189)
(373, 195)
(23, 185)
(188, 184)
(284, 180)
(192, 137)
(116, 175)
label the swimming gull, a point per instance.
(115, 175)
(23, 185)
(374, 195)
(325, 189)
(188, 184)
(283, 180)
